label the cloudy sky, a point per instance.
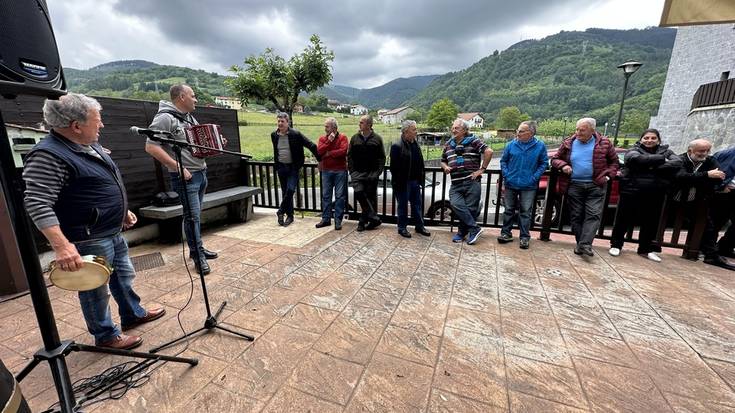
(374, 40)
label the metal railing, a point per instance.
(553, 218)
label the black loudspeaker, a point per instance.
(29, 58)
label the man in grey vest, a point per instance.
(174, 117)
(76, 197)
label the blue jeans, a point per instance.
(518, 203)
(464, 196)
(95, 303)
(334, 181)
(288, 177)
(195, 188)
(412, 194)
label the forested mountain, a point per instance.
(389, 95)
(139, 79)
(568, 74)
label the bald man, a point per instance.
(697, 180)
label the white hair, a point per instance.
(331, 121)
(590, 121)
(69, 108)
(407, 124)
(465, 124)
(531, 126)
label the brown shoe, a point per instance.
(150, 315)
(122, 342)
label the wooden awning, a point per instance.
(693, 12)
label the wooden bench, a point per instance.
(239, 201)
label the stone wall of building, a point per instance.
(701, 54)
(715, 123)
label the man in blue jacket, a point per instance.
(522, 164)
(721, 210)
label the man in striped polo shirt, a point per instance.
(465, 159)
(76, 197)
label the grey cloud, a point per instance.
(440, 36)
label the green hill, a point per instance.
(139, 79)
(389, 95)
(568, 74)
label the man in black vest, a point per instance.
(288, 155)
(174, 117)
(76, 197)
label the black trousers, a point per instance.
(721, 209)
(366, 194)
(644, 209)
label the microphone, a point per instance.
(147, 132)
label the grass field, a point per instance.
(255, 138)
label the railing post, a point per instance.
(549, 200)
(696, 231)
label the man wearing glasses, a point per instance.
(465, 159)
(522, 164)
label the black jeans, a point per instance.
(366, 194)
(643, 208)
(719, 212)
(585, 201)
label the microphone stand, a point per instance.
(211, 321)
(54, 350)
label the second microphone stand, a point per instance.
(211, 321)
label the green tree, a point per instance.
(415, 115)
(509, 117)
(442, 114)
(635, 121)
(271, 77)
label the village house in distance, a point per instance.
(474, 118)
(395, 116)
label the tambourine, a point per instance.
(95, 272)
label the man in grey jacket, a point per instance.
(174, 117)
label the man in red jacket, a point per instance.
(587, 161)
(332, 148)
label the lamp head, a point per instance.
(630, 67)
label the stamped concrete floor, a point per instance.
(348, 321)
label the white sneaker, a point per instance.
(614, 252)
(653, 257)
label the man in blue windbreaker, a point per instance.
(522, 164)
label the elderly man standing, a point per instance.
(174, 117)
(587, 161)
(332, 148)
(407, 173)
(465, 158)
(288, 154)
(697, 181)
(366, 160)
(76, 197)
(523, 162)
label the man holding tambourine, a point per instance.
(76, 197)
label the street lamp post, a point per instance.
(629, 68)
(565, 127)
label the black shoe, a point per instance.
(323, 224)
(505, 238)
(423, 232)
(728, 254)
(718, 261)
(578, 250)
(374, 223)
(337, 225)
(280, 218)
(360, 227)
(524, 243)
(587, 250)
(210, 255)
(202, 266)
(404, 233)
(288, 221)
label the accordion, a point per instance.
(208, 135)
